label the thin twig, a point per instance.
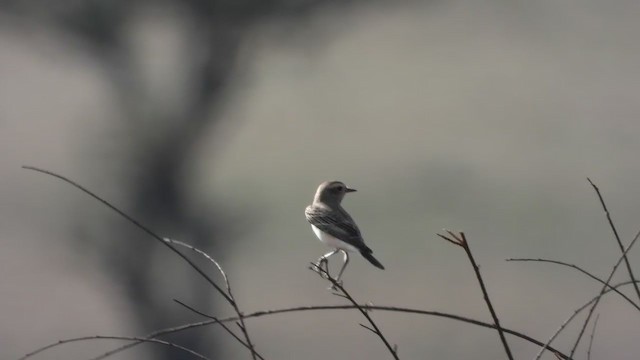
(593, 307)
(135, 223)
(220, 323)
(153, 235)
(100, 337)
(593, 333)
(374, 327)
(233, 301)
(366, 307)
(206, 256)
(615, 233)
(579, 269)
(368, 328)
(595, 302)
(461, 240)
(547, 345)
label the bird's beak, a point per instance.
(350, 190)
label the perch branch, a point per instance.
(344, 293)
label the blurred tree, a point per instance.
(160, 140)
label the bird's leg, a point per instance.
(346, 261)
(344, 265)
(324, 260)
(323, 264)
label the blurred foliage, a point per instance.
(160, 139)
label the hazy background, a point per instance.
(214, 121)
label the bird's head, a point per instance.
(332, 192)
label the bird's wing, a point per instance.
(336, 224)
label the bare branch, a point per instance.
(368, 328)
(582, 271)
(366, 307)
(615, 233)
(337, 285)
(455, 238)
(206, 256)
(593, 332)
(135, 223)
(100, 337)
(194, 310)
(232, 302)
(462, 241)
(225, 327)
(454, 242)
(142, 227)
(595, 304)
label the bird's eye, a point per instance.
(339, 188)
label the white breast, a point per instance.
(332, 241)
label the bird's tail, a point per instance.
(367, 255)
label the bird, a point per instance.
(333, 225)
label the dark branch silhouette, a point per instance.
(615, 233)
(229, 298)
(222, 324)
(457, 239)
(593, 333)
(345, 294)
(579, 269)
(100, 337)
(461, 240)
(366, 307)
(233, 301)
(604, 287)
(594, 301)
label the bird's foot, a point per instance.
(333, 286)
(322, 267)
